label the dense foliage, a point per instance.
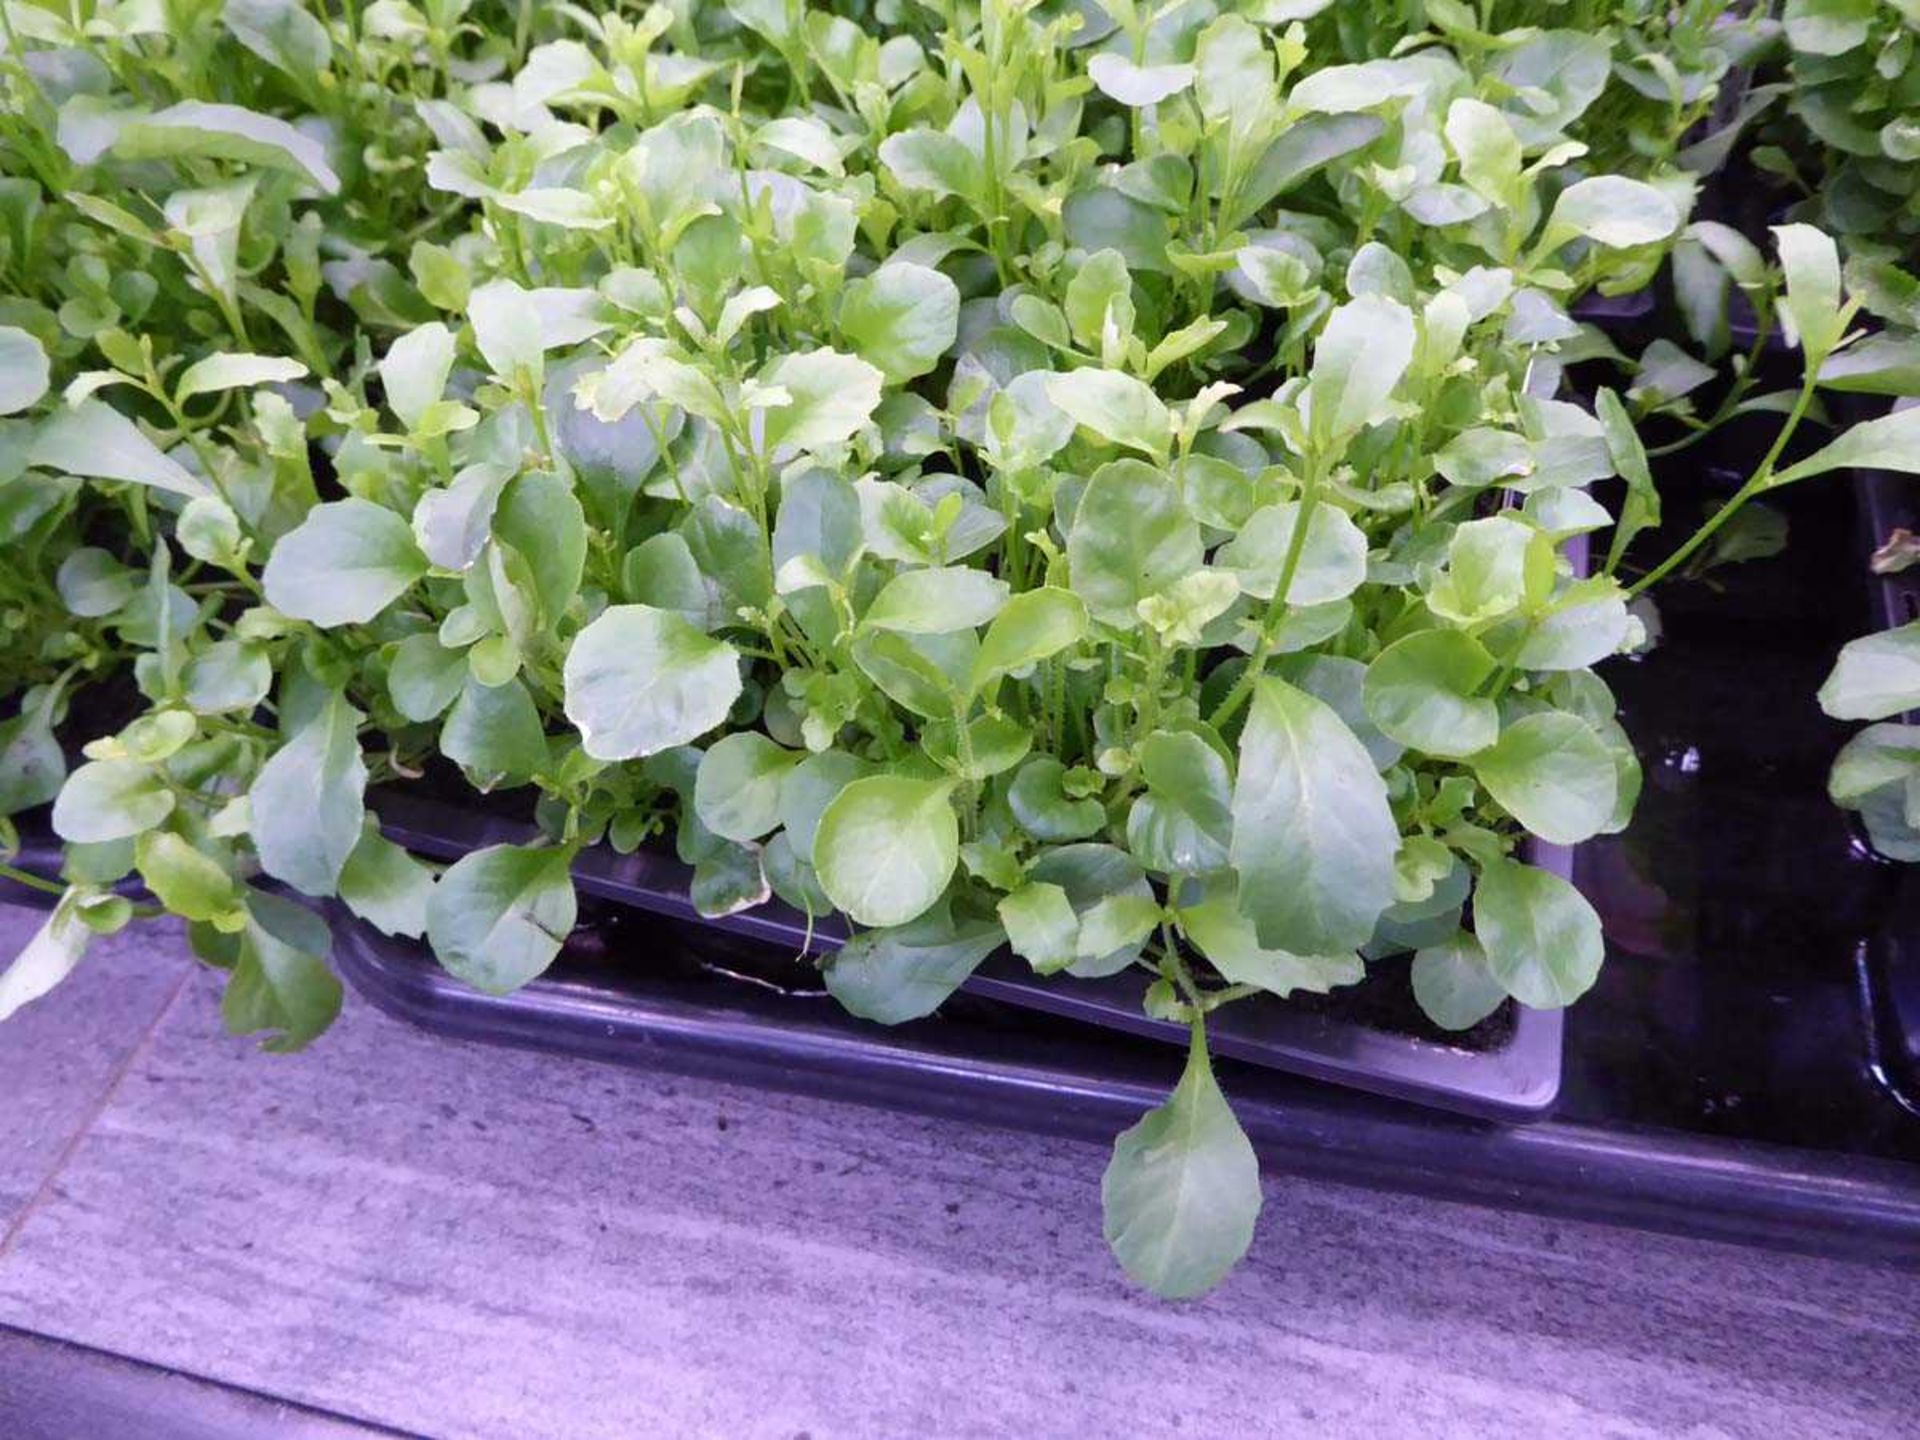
(1100, 481)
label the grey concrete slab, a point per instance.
(60, 1055)
(475, 1242)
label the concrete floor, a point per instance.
(461, 1241)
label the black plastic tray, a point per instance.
(1890, 964)
(996, 1065)
(1516, 1077)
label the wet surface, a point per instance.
(1739, 904)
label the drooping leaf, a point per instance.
(308, 800)
(499, 916)
(1182, 1191)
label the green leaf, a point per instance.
(1116, 407)
(110, 800)
(226, 132)
(32, 764)
(1875, 676)
(1828, 27)
(308, 800)
(228, 677)
(1182, 1191)
(928, 160)
(1879, 756)
(1422, 691)
(228, 370)
(1891, 442)
(540, 517)
(494, 733)
(1554, 775)
(1137, 85)
(1030, 627)
(1224, 934)
(94, 440)
(1453, 985)
(1183, 824)
(902, 318)
(24, 376)
(809, 788)
(1131, 538)
(738, 791)
(1810, 311)
(283, 34)
(48, 957)
(506, 328)
(1541, 937)
(1363, 350)
(385, 886)
(1487, 570)
(424, 677)
(414, 371)
(1041, 925)
(892, 976)
(1100, 298)
(937, 602)
(640, 680)
(498, 917)
(886, 848)
(1314, 839)
(1040, 803)
(343, 564)
(1614, 211)
(1331, 563)
(831, 396)
(191, 885)
(280, 978)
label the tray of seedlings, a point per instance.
(1102, 568)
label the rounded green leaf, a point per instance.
(902, 318)
(494, 733)
(641, 680)
(1331, 565)
(1131, 538)
(498, 917)
(937, 602)
(1422, 691)
(1614, 211)
(887, 847)
(110, 800)
(1875, 676)
(1554, 774)
(737, 792)
(343, 564)
(1116, 407)
(1184, 823)
(24, 374)
(892, 976)
(1032, 626)
(1453, 985)
(830, 396)
(1541, 937)
(1182, 1192)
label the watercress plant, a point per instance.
(1100, 481)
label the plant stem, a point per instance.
(1755, 484)
(31, 880)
